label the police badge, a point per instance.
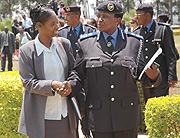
(68, 9)
(110, 6)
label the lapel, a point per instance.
(38, 63)
(121, 43)
(102, 43)
(151, 31)
(62, 55)
(82, 30)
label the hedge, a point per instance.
(162, 117)
(10, 104)
(176, 32)
(11, 97)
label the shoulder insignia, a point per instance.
(135, 35)
(84, 36)
(161, 23)
(122, 34)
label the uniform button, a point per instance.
(152, 86)
(146, 57)
(112, 99)
(76, 51)
(146, 49)
(112, 60)
(132, 104)
(146, 41)
(92, 66)
(112, 73)
(90, 106)
(112, 86)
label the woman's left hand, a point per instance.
(65, 90)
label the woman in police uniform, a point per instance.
(110, 63)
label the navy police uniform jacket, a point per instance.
(112, 100)
(167, 60)
(67, 32)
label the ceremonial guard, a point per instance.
(75, 28)
(157, 35)
(111, 61)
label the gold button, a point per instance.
(146, 41)
(112, 99)
(146, 57)
(92, 66)
(112, 60)
(132, 104)
(152, 86)
(146, 49)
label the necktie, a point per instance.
(109, 44)
(75, 35)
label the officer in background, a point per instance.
(111, 61)
(75, 28)
(153, 34)
(72, 32)
(163, 18)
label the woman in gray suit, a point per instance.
(44, 64)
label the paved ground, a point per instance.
(139, 136)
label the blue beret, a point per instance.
(145, 7)
(73, 8)
(110, 7)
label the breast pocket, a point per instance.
(130, 69)
(93, 67)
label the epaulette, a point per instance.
(135, 35)
(84, 36)
(161, 23)
(65, 27)
(90, 26)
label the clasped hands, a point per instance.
(62, 88)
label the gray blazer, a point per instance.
(36, 88)
(11, 41)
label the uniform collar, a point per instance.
(40, 48)
(114, 35)
(149, 25)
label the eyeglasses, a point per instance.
(140, 14)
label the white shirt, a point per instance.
(27, 23)
(56, 106)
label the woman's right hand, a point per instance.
(65, 90)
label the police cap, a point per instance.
(73, 8)
(164, 17)
(110, 7)
(145, 7)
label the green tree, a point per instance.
(7, 7)
(70, 2)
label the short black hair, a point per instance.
(40, 13)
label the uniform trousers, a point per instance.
(58, 129)
(3, 59)
(131, 133)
